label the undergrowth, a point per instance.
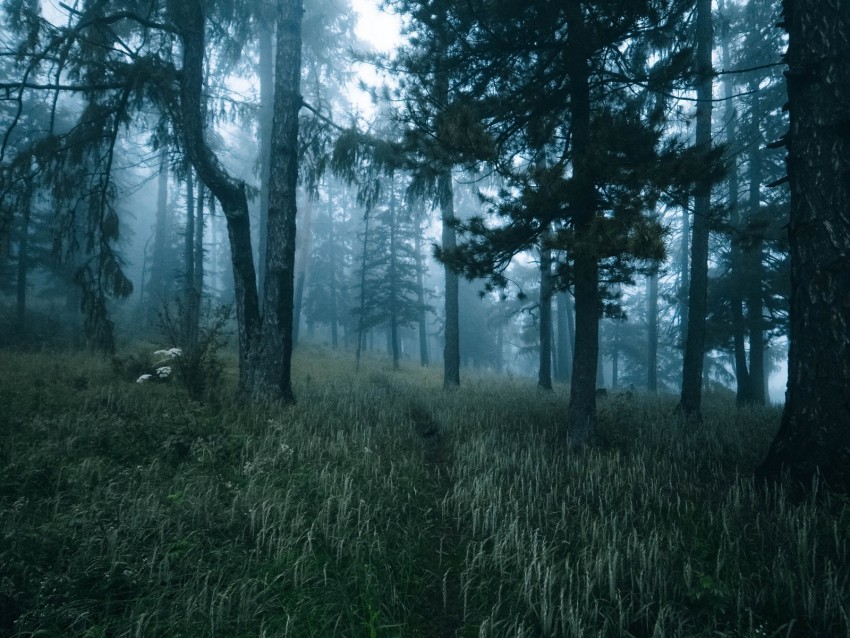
(380, 505)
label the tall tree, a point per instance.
(692, 367)
(814, 436)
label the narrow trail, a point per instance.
(441, 605)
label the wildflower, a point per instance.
(163, 372)
(171, 353)
(144, 378)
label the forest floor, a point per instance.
(381, 505)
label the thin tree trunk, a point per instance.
(544, 376)
(743, 394)
(361, 321)
(690, 404)
(190, 317)
(755, 304)
(451, 351)
(563, 339)
(652, 332)
(303, 268)
(684, 272)
(393, 277)
(23, 261)
(159, 258)
(332, 264)
(420, 296)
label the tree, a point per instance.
(692, 366)
(814, 436)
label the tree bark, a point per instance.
(814, 436)
(420, 296)
(652, 332)
(563, 339)
(191, 303)
(274, 365)
(304, 253)
(692, 367)
(581, 412)
(265, 34)
(451, 350)
(189, 17)
(332, 266)
(743, 393)
(755, 269)
(544, 376)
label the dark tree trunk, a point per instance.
(684, 272)
(23, 262)
(544, 376)
(652, 332)
(303, 268)
(199, 244)
(692, 367)
(274, 370)
(743, 394)
(229, 191)
(451, 351)
(581, 412)
(191, 301)
(332, 264)
(361, 320)
(615, 356)
(159, 258)
(265, 33)
(395, 294)
(814, 437)
(563, 340)
(420, 297)
(754, 271)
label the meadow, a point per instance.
(380, 505)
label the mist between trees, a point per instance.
(594, 193)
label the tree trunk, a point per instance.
(743, 394)
(581, 412)
(544, 376)
(562, 338)
(652, 332)
(304, 253)
(160, 253)
(684, 272)
(420, 296)
(23, 261)
(332, 266)
(451, 351)
(274, 369)
(265, 34)
(754, 273)
(199, 244)
(361, 321)
(229, 191)
(191, 306)
(814, 437)
(395, 294)
(692, 367)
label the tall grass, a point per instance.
(380, 505)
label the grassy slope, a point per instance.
(382, 506)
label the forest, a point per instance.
(427, 318)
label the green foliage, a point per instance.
(381, 506)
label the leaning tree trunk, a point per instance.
(814, 437)
(692, 367)
(230, 192)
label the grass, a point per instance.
(381, 505)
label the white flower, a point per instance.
(164, 372)
(171, 353)
(144, 378)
